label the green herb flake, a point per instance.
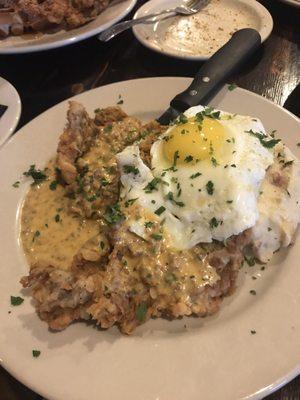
(262, 138)
(108, 128)
(148, 224)
(141, 312)
(170, 196)
(195, 175)
(102, 245)
(229, 201)
(288, 163)
(36, 353)
(57, 218)
(156, 236)
(214, 223)
(253, 292)
(16, 184)
(188, 159)
(130, 202)
(182, 119)
(130, 169)
(210, 188)
(152, 185)
(160, 210)
(214, 161)
(37, 175)
(250, 260)
(16, 300)
(36, 234)
(113, 214)
(232, 87)
(120, 101)
(53, 185)
(253, 332)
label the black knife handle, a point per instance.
(218, 69)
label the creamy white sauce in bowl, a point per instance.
(200, 35)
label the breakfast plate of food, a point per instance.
(150, 261)
(199, 36)
(30, 25)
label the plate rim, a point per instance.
(182, 56)
(258, 395)
(292, 3)
(32, 48)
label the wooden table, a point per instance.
(44, 79)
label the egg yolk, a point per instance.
(194, 141)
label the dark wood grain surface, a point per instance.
(44, 79)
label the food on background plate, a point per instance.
(22, 16)
(133, 221)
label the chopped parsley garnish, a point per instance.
(262, 138)
(16, 184)
(102, 245)
(188, 159)
(120, 101)
(156, 236)
(199, 118)
(16, 300)
(229, 201)
(113, 214)
(253, 292)
(37, 175)
(170, 196)
(269, 229)
(214, 162)
(130, 202)
(53, 185)
(141, 312)
(288, 163)
(108, 128)
(36, 234)
(36, 353)
(170, 277)
(175, 158)
(213, 223)
(130, 169)
(233, 165)
(210, 188)
(148, 224)
(160, 210)
(182, 119)
(195, 175)
(232, 87)
(253, 332)
(152, 185)
(57, 218)
(250, 260)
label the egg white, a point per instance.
(193, 214)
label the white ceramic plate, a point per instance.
(212, 358)
(9, 97)
(36, 42)
(295, 3)
(180, 43)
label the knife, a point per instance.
(214, 73)
(2, 109)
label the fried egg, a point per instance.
(204, 180)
